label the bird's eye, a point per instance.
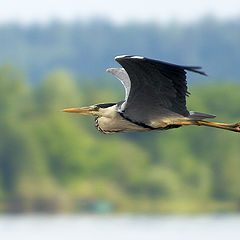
(95, 108)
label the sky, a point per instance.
(29, 11)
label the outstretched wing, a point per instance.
(158, 89)
(122, 75)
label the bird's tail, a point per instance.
(200, 116)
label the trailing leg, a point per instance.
(226, 126)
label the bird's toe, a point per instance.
(237, 126)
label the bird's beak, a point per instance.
(83, 110)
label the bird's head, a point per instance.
(105, 109)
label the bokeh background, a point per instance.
(53, 55)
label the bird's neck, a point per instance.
(109, 112)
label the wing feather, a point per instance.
(121, 75)
(158, 89)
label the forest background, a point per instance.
(56, 162)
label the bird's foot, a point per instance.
(226, 126)
(236, 127)
(233, 127)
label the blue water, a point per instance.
(123, 227)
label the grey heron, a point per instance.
(155, 99)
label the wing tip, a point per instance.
(109, 70)
(196, 70)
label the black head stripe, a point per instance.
(105, 105)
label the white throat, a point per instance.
(109, 112)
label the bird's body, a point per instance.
(114, 121)
(155, 99)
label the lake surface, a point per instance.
(123, 227)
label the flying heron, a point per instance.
(155, 99)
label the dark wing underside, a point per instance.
(158, 89)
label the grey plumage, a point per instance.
(155, 99)
(158, 90)
(121, 75)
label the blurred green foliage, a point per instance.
(53, 161)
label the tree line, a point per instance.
(87, 49)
